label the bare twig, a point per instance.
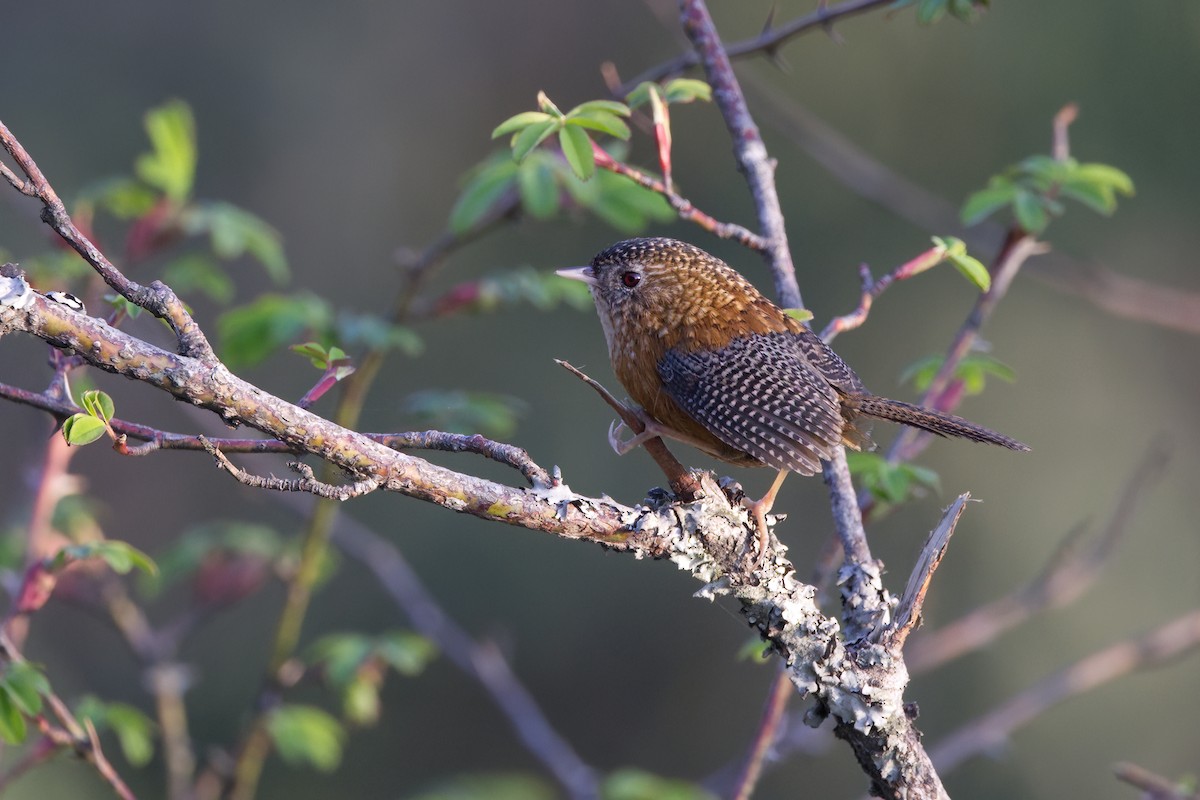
(908, 613)
(764, 738)
(683, 483)
(1073, 568)
(1153, 785)
(156, 298)
(769, 41)
(1120, 295)
(748, 148)
(682, 206)
(1143, 652)
(306, 483)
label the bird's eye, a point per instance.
(631, 279)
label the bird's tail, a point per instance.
(929, 420)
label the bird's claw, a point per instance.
(622, 446)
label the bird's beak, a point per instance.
(584, 274)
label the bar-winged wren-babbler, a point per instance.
(713, 363)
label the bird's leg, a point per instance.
(759, 510)
(651, 429)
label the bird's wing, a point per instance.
(759, 394)
(829, 363)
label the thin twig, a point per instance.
(748, 148)
(782, 690)
(769, 41)
(482, 662)
(306, 483)
(683, 483)
(1121, 295)
(682, 206)
(908, 613)
(1072, 569)
(1153, 785)
(1153, 649)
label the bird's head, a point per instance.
(667, 290)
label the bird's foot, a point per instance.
(758, 511)
(651, 430)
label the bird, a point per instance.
(711, 362)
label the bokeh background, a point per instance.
(348, 126)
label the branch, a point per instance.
(769, 41)
(1072, 569)
(480, 661)
(1153, 786)
(1153, 649)
(764, 739)
(156, 298)
(1117, 294)
(748, 147)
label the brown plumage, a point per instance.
(714, 363)
(709, 357)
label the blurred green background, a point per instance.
(348, 127)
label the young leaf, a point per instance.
(12, 723)
(634, 784)
(121, 557)
(98, 404)
(529, 138)
(134, 730)
(81, 429)
(406, 652)
(972, 269)
(1031, 212)
(196, 272)
(686, 90)
(602, 121)
(546, 105)
(608, 106)
(520, 122)
(481, 193)
(341, 655)
(307, 735)
(1104, 175)
(799, 314)
(377, 334)
(538, 187)
(983, 203)
(491, 787)
(171, 165)
(577, 148)
(250, 333)
(27, 685)
(314, 352)
(234, 231)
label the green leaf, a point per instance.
(196, 272)
(490, 787)
(972, 369)
(341, 655)
(305, 735)
(529, 138)
(377, 333)
(98, 404)
(492, 415)
(972, 269)
(406, 652)
(799, 314)
(1100, 199)
(81, 429)
(250, 333)
(546, 105)
(223, 536)
(1031, 212)
(360, 702)
(607, 106)
(634, 784)
(930, 11)
(482, 191)
(577, 148)
(619, 201)
(519, 122)
(234, 231)
(889, 483)
(171, 165)
(314, 352)
(755, 649)
(12, 723)
(120, 556)
(1105, 175)
(27, 685)
(985, 202)
(686, 90)
(134, 732)
(601, 121)
(538, 187)
(124, 198)
(119, 303)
